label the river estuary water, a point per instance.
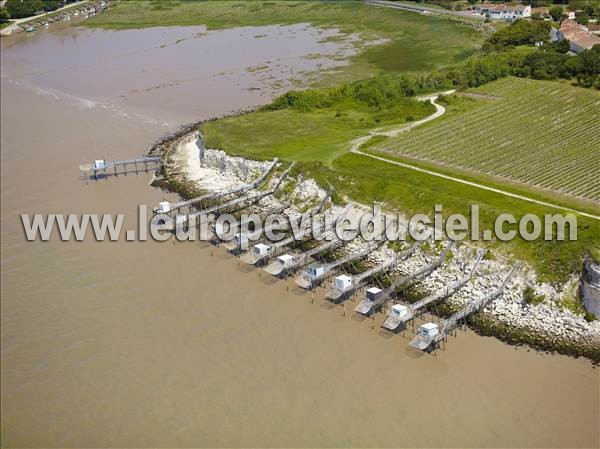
(131, 344)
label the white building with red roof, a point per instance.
(503, 11)
(579, 36)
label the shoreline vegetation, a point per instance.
(315, 127)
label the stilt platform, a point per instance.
(103, 169)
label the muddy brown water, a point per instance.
(131, 344)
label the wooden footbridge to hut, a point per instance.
(431, 334)
(376, 297)
(245, 201)
(289, 263)
(165, 207)
(218, 228)
(345, 286)
(260, 254)
(399, 315)
(103, 168)
(317, 273)
(240, 241)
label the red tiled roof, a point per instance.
(504, 7)
(585, 40)
(578, 34)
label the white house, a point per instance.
(99, 164)
(503, 11)
(164, 207)
(343, 282)
(398, 311)
(315, 270)
(428, 330)
(285, 259)
(260, 249)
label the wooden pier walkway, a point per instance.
(250, 198)
(218, 229)
(254, 258)
(394, 322)
(296, 261)
(308, 281)
(105, 168)
(367, 306)
(173, 208)
(427, 341)
(358, 281)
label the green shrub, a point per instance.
(380, 93)
(556, 13)
(531, 297)
(583, 20)
(25, 8)
(520, 32)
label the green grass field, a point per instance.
(320, 140)
(367, 180)
(415, 42)
(319, 135)
(543, 134)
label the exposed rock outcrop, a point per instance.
(589, 288)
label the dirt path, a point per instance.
(440, 110)
(433, 10)
(394, 130)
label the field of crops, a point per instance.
(544, 134)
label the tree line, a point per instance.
(19, 9)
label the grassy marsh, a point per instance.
(407, 41)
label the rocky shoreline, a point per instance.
(546, 326)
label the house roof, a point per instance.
(541, 9)
(571, 24)
(593, 26)
(578, 34)
(502, 7)
(585, 40)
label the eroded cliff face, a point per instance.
(590, 287)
